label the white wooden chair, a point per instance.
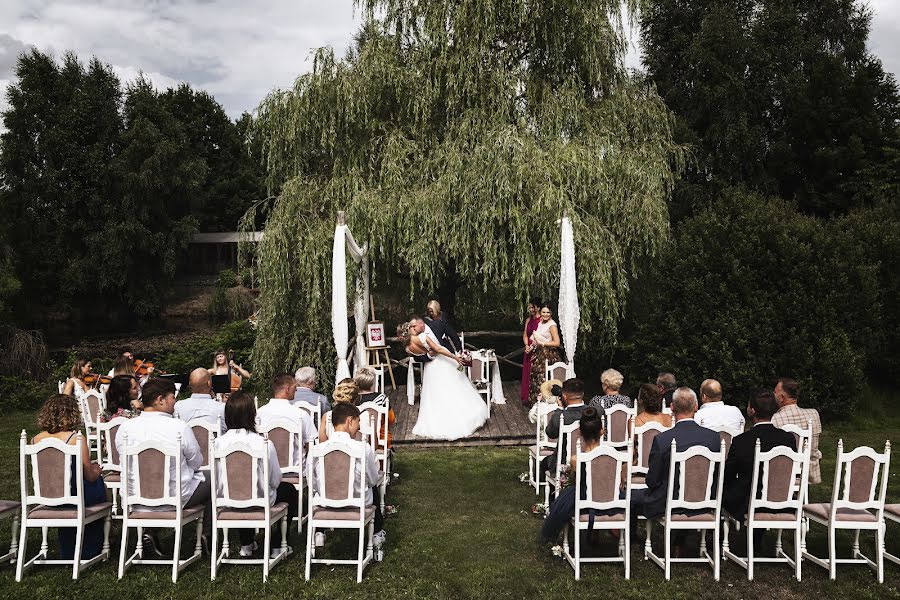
(242, 473)
(109, 460)
(333, 502)
(147, 470)
(565, 446)
(605, 468)
(92, 404)
(61, 385)
(287, 438)
(314, 412)
(206, 434)
(377, 416)
(616, 422)
(803, 439)
(774, 488)
(557, 370)
(699, 471)
(542, 448)
(643, 441)
(859, 505)
(480, 375)
(11, 509)
(726, 434)
(891, 513)
(49, 501)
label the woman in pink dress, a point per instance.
(531, 325)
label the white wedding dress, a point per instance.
(450, 407)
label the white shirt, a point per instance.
(160, 426)
(278, 408)
(716, 414)
(256, 442)
(373, 475)
(203, 407)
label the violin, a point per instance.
(142, 368)
(93, 379)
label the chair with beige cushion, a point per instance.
(109, 460)
(314, 411)
(151, 464)
(10, 509)
(776, 502)
(857, 502)
(694, 503)
(206, 434)
(377, 416)
(605, 471)
(891, 513)
(558, 370)
(726, 434)
(334, 504)
(542, 448)
(479, 375)
(49, 501)
(643, 442)
(286, 436)
(245, 503)
(92, 406)
(617, 419)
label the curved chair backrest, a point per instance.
(53, 464)
(285, 435)
(643, 441)
(699, 473)
(206, 433)
(148, 467)
(775, 476)
(860, 479)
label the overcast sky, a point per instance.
(238, 51)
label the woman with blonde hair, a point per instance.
(345, 392)
(612, 381)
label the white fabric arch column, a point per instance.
(569, 313)
(343, 239)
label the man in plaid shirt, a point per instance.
(787, 391)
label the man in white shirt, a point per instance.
(345, 418)
(715, 413)
(201, 405)
(280, 407)
(156, 423)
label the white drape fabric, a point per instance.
(410, 382)
(343, 241)
(569, 312)
(497, 385)
(339, 301)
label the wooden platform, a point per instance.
(507, 426)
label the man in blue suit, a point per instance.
(651, 502)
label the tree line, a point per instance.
(102, 185)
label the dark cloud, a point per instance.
(10, 49)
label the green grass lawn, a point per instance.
(462, 532)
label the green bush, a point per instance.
(227, 279)
(18, 393)
(750, 290)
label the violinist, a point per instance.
(76, 384)
(222, 365)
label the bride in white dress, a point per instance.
(450, 407)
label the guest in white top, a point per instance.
(715, 413)
(201, 404)
(280, 407)
(345, 418)
(240, 416)
(156, 423)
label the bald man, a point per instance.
(715, 413)
(201, 405)
(441, 328)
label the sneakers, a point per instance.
(379, 537)
(320, 539)
(273, 554)
(151, 544)
(248, 550)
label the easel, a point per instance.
(376, 354)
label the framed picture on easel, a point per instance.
(375, 337)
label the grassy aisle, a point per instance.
(460, 533)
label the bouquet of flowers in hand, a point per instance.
(565, 476)
(465, 359)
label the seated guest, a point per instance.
(562, 509)
(60, 418)
(715, 413)
(345, 418)
(739, 464)
(345, 392)
(651, 502)
(611, 380)
(76, 385)
(156, 423)
(280, 407)
(787, 391)
(201, 404)
(547, 399)
(571, 408)
(123, 398)
(666, 384)
(364, 378)
(650, 401)
(306, 390)
(240, 418)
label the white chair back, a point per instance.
(699, 472)
(643, 441)
(379, 379)
(334, 465)
(726, 434)
(240, 476)
(566, 444)
(376, 417)
(92, 404)
(286, 436)
(860, 479)
(802, 437)
(774, 483)
(557, 370)
(147, 469)
(106, 440)
(617, 419)
(53, 465)
(478, 370)
(314, 412)
(606, 469)
(206, 433)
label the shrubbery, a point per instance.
(750, 290)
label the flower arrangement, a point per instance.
(565, 476)
(465, 359)
(540, 509)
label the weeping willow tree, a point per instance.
(454, 134)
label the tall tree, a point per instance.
(779, 96)
(454, 135)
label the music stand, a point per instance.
(221, 384)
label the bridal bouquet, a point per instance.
(465, 358)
